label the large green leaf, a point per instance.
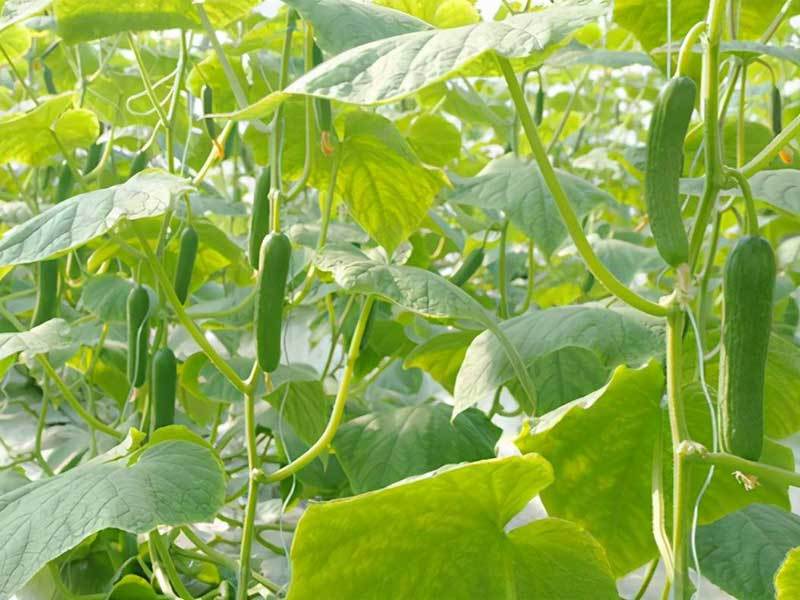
(80, 21)
(647, 19)
(600, 447)
(378, 449)
(393, 68)
(626, 260)
(411, 288)
(741, 552)
(82, 218)
(518, 188)
(173, 482)
(614, 337)
(50, 335)
(443, 536)
(383, 182)
(343, 24)
(787, 579)
(27, 137)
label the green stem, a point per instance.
(567, 110)
(310, 126)
(763, 158)
(185, 320)
(74, 403)
(19, 77)
(681, 514)
(686, 48)
(502, 274)
(600, 271)
(741, 121)
(338, 406)
(723, 460)
(648, 577)
(253, 464)
(750, 203)
(705, 278)
(520, 370)
(158, 546)
(162, 117)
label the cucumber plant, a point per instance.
(305, 299)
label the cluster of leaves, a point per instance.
(425, 164)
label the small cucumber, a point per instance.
(208, 108)
(668, 127)
(47, 75)
(93, 156)
(777, 111)
(259, 221)
(66, 181)
(538, 113)
(186, 258)
(138, 335)
(467, 269)
(165, 379)
(274, 259)
(748, 283)
(322, 105)
(47, 299)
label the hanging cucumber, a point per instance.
(66, 181)
(668, 127)
(322, 108)
(471, 263)
(748, 283)
(538, 113)
(274, 258)
(165, 379)
(776, 109)
(208, 108)
(259, 222)
(231, 142)
(49, 85)
(47, 298)
(138, 335)
(93, 156)
(186, 258)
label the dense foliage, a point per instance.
(332, 299)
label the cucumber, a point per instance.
(165, 379)
(208, 108)
(138, 335)
(776, 109)
(47, 75)
(538, 113)
(66, 181)
(668, 127)
(748, 283)
(259, 221)
(322, 105)
(93, 156)
(274, 258)
(467, 269)
(47, 299)
(186, 258)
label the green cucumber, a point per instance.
(47, 299)
(776, 109)
(66, 181)
(467, 269)
(165, 380)
(259, 221)
(273, 270)
(138, 335)
(322, 105)
(668, 127)
(538, 113)
(93, 156)
(748, 283)
(208, 108)
(186, 258)
(49, 85)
